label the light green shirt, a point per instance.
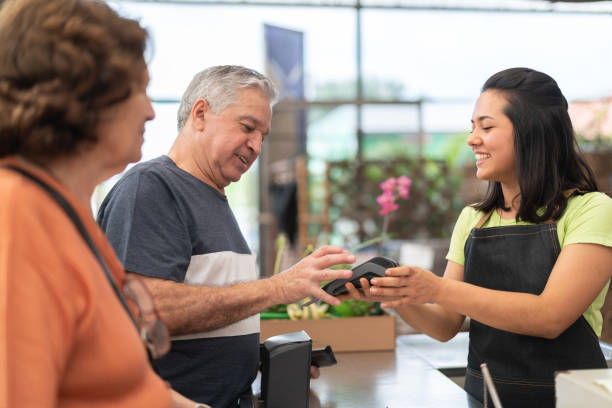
(587, 219)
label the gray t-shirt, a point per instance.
(165, 223)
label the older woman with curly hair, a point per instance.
(73, 107)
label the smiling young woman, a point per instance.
(530, 264)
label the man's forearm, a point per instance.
(189, 309)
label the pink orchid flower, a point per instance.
(403, 186)
(388, 196)
(388, 209)
(388, 185)
(387, 202)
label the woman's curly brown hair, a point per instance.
(61, 63)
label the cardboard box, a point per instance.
(342, 334)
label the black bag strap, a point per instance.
(72, 214)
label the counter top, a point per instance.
(386, 379)
(449, 355)
(410, 376)
(402, 378)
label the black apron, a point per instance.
(520, 258)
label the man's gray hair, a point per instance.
(219, 87)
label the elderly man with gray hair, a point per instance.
(169, 221)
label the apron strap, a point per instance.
(571, 191)
(484, 219)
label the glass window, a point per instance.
(448, 55)
(188, 38)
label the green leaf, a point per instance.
(270, 315)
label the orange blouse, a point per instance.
(65, 340)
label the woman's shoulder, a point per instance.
(587, 219)
(469, 216)
(590, 202)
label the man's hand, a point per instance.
(304, 278)
(314, 372)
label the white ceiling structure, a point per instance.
(573, 6)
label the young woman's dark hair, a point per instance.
(548, 160)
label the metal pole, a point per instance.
(358, 61)
(421, 129)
